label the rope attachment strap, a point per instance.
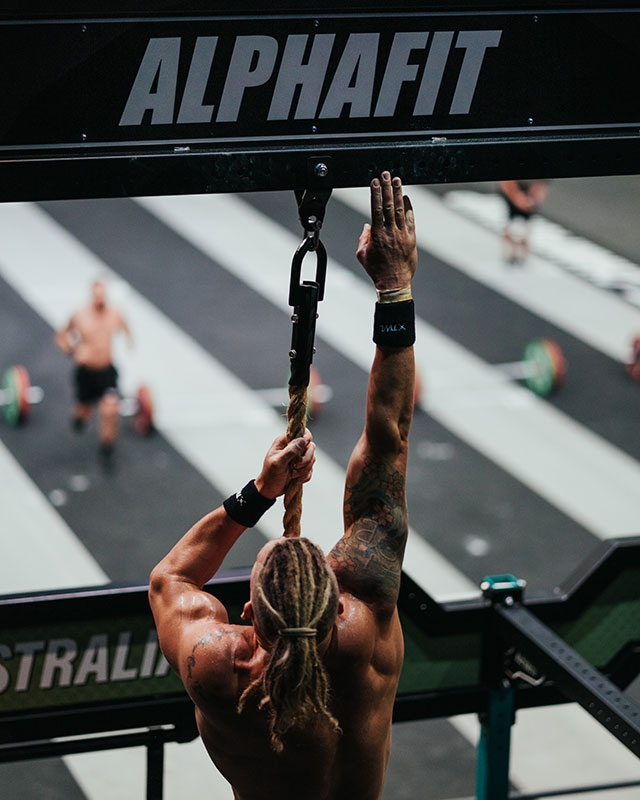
(304, 296)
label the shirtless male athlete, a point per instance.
(523, 199)
(88, 338)
(298, 704)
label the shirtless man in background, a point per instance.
(88, 337)
(299, 703)
(523, 199)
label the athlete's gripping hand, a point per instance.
(387, 247)
(285, 462)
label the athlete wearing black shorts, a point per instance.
(92, 384)
(87, 337)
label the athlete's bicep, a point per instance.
(179, 610)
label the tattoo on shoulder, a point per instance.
(218, 634)
(191, 660)
(369, 557)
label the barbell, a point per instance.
(542, 367)
(17, 395)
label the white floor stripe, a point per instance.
(602, 320)
(577, 471)
(39, 551)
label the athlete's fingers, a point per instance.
(294, 450)
(387, 199)
(306, 460)
(303, 474)
(364, 236)
(376, 204)
(409, 215)
(398, 203)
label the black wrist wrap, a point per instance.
(394, 324)
(247, 506)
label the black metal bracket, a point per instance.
(519, 639)
(574, 676)
(304, 296)
(312, 204)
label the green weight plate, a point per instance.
(15, 382)
(542, 381)
(12, 402)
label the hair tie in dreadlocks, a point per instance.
(297, 633)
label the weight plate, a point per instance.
(558, 360)
(15, 382)
(23, 391)
(540, 357)
(633, 367)
(143, 420)
(12, 403)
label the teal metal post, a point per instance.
(494, 747)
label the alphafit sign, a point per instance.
(268, 80)
(301, 79)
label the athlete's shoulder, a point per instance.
(213, 657)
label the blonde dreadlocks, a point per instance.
(295, 602)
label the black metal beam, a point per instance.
(576, 678)
(161, 97)
(160, 172)
(25, 751)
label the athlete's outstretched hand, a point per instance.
(387, 247)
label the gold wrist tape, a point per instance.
(395, 295)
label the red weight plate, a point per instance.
(633, 367)
(558, 360)
(143, 420)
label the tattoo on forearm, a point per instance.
(369, 556)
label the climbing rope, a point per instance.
(304, 297)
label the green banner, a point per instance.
(60, 665)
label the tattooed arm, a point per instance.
(368, 558)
